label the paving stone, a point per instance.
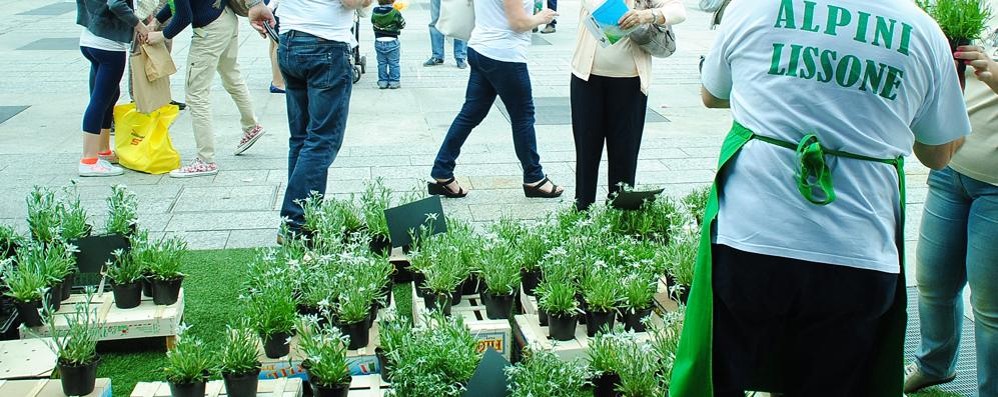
(53, 44)
(536, 209)
(226, 198)
(51, 9)
(223, 221)
(252, 238)
(198, 240)
(154, 222)
(8, 112)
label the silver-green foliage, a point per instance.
(124, 269)
(76, 343)
(542, 373)
(189, 360)
(238, 354)
(123, 209)
(325, 352)
(435, 360)
(500, 268)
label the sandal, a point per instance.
(535, 191)
(438, 188)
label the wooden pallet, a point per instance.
(216, 388)
(148, 320)
(48, 388)
(497, 334)
(531, 334)
(368, 386)
(26, 359)
(664, 302)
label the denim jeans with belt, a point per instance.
(389, 53)
(437, 39)
(319, 79)
(489, 78)
(957, 245)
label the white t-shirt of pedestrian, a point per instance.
(866, 77)
(493, 37)
(327, 19)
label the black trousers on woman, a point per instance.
(611, 110)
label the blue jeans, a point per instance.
(319, 78)
(553, 5)
(956, 245)
(106, 70)
(437, 38)
(489, 78)
(389, 53)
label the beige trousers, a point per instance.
(215, 48)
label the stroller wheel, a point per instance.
(356, 74)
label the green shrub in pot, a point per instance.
(43, 215)
(542, 373)
(393, 332)
(437, 359)
(27, 286)
(75, 346)
(187, 365)
(638, 372)
(73, 218)
(126, 275)
(54, 261)
(500, 270)
(325, 351)
(164, 259)
(123, 208)
(237, 360)
(272, 311)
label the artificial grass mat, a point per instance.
(211, 290)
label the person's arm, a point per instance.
(713, 102)
(520, 21)
(182, 17)
(356, 4)
(941, 122)
(164, 14)
(937, 157)
(123, 11)
(985, 67)
(400, 19)
(664, 12)
(259, 15)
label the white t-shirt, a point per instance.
(790, 70)
(492, 35)
(327, 19)
(88, 39)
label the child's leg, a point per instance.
(393, 60)
(382, 62)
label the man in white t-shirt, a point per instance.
(315, 58)
(798, 277)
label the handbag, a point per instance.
(657, 41)
(160, 63)
(457, 18)
(149, 95)
(142, 141)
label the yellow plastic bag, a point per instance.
(142, 141)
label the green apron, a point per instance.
(692, 373)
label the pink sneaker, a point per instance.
(196, 168)
(250, 137)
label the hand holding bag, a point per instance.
(657, 41)
(457, 18)
(160, 63)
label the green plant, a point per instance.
(76, 345)
(53, 261)
(43, 214)
(9, 240)
(124, 269)
(272, 309)
(189, 360)
(682, 258)
(557, 298)
(959, 19)
(354, 306)
(639, 290)
(238, 355)
(435, 360)
(696, 202)
(123, 208)
(606, 350)
(601, 289)
(24, 283)
(665, 342)
(542, 373)
(325, 352)
(163, 258)
(374, 201)
(73, 217)
(448, 271)
(500, 269)
(393, 330)
(638, 372)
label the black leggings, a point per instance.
(612, 110)
(106, 69)
(802, 328)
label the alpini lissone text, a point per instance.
(831, 66)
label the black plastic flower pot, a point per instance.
(338, 390)
(53, 294)
(471, 285)
(67, 285)
(386, 292)
(29, 312)
(530, 279)
(241, 385)
(306, 310)
(600, 321)
(456, 296)
(683, 296)
(605, 385)
(403, 273)
(417, 282)
(498, 307)
(632, 319)
(561, 327)
(383, 365)
(78, 380)
(359, 333)
(193, 389)
(127, 296)
(442, 301)
(166, 292)
(542, 317)
(372, 315)
(146, 287)
(9, 320)
(276, 345)
(380, 245)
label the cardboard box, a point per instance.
(532, 335)
(145, 321)
(216, 388)
(48, 388)
(497, 334)
(26, 359)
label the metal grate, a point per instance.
(966, 364)
(8, 112)
(558, 111)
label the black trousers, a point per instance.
(801, 328)
(611, 110)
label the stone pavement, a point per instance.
(392, 134)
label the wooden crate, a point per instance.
(148, 320)
(531, 334)
(48, 388)
(216, 388)
(497, 334)
(26, 359)
(368, 386)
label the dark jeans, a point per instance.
(553, 5)
(319, 78)
(809, 325)
(489, 78)
(611, 110)
(106, 70)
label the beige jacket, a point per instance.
(585, 43)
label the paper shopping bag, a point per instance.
(159, 63)
(142, 140)
(149, 95)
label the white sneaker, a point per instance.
(100, 168)
(250, 136)
(196, 168)
(110, 158)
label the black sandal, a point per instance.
(438, 188)
(536, 192)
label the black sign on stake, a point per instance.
(490, 377)
(633, 200)
(406, 219)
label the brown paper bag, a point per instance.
(150, 95)
(160, 63)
